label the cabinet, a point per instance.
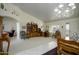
(33, 30)
(46, 34)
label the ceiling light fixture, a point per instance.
(73, 7)
(56, 10)
(59, 12)
(66, 10)
(61, 5)
(71, 4)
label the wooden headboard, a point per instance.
(68, 47)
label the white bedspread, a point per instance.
(32, 46)
(39, 50)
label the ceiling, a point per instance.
(44, 11)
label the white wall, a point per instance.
(19, 15)
(74, 25)
(24, 18)
(9, 23)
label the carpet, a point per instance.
(51, 52)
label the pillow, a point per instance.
(74, 37)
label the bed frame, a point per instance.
(66, 47)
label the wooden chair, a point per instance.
(4, 37)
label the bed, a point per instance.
(32, 46)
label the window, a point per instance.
(53, 28)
